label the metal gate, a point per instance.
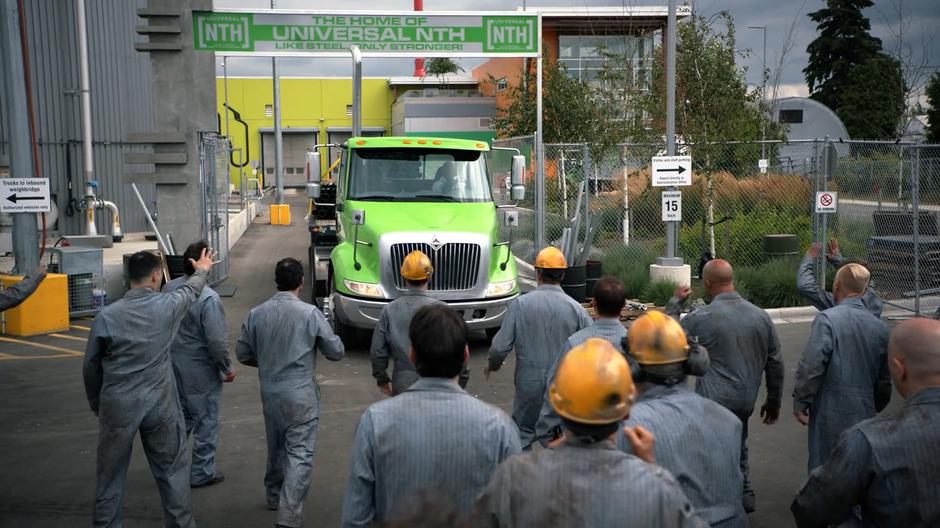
(214, 177)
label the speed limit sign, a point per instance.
(672, 206)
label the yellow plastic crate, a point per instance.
(43, 312)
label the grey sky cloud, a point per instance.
(917, 25)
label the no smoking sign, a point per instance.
(827, 202)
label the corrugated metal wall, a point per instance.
(120, 99)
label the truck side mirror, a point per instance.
(517, 178)
(313, 174)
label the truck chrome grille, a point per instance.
(456, 264)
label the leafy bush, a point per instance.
(770, 285)
(631, 265)
(746, 232)
(658, 292)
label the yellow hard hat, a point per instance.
(416, 266)
(593, 384)
(550, 258)
(657, 339)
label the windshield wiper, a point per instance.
(442, 197)
(375, 197)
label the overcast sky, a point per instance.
(778, 15)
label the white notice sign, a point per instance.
(672, 206)
(762, 165)
(827, 202)
(672, 171)
(24, 195)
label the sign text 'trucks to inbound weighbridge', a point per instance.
(427, 33)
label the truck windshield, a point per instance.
(418, 175)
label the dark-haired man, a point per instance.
(433, 438)
(130, 387)
(281, 337)
(201, 363)
(537, 326)
(609, 298)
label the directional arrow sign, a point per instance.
(24, 195)
(672, 171)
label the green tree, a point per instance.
(872, 100)
(714, 105)
(849, 73)
(569, 110)
(933, 108)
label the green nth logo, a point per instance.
(217, 32)
(508, 34)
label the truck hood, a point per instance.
(387, 217)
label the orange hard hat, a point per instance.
(593, 384)
(416, 266)
(550, 258)
(657, 339)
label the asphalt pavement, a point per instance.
(48, 436)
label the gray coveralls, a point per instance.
(843, 374)
(12, 296)
(699, 442)
(742, 345)
(433, 439)
(130, 386)
(390, 341)
(200, 357)
(281, 337)
(810, 290)
(538, 325)
(888, 465)
(583, 485)
(549, 423)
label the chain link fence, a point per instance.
(742, 193)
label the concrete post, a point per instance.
(25, 235)
(184, 104)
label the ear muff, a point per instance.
(698, 362)
(635, 369)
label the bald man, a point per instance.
(743, 345)
(889, 465)
(809, 288)
(843, 375)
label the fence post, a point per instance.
(586, 157)
(815, 215)
(626, 196)
(915, 207)
(539, 191)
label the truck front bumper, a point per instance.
(479, 314)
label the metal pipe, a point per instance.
(150, 221)
(356, 91)
(84, 88)
(419, 62)
(540, 156)
(278, 137)
(672, 228)
(25, 236)
(117, 234)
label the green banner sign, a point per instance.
(416, 33)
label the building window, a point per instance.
(501, 84)
(268, 111)
(584, 56)
(793, 117)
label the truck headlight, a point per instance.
(366, 289)
(496, 289)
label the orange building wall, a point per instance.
(511, 68)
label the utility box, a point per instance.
(43, 312)
(85, 270)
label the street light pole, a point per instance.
(763, 89)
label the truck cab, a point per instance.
(394, 195)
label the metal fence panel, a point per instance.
(213, 173)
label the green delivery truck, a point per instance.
(389, 196)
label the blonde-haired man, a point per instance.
(843, 376)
